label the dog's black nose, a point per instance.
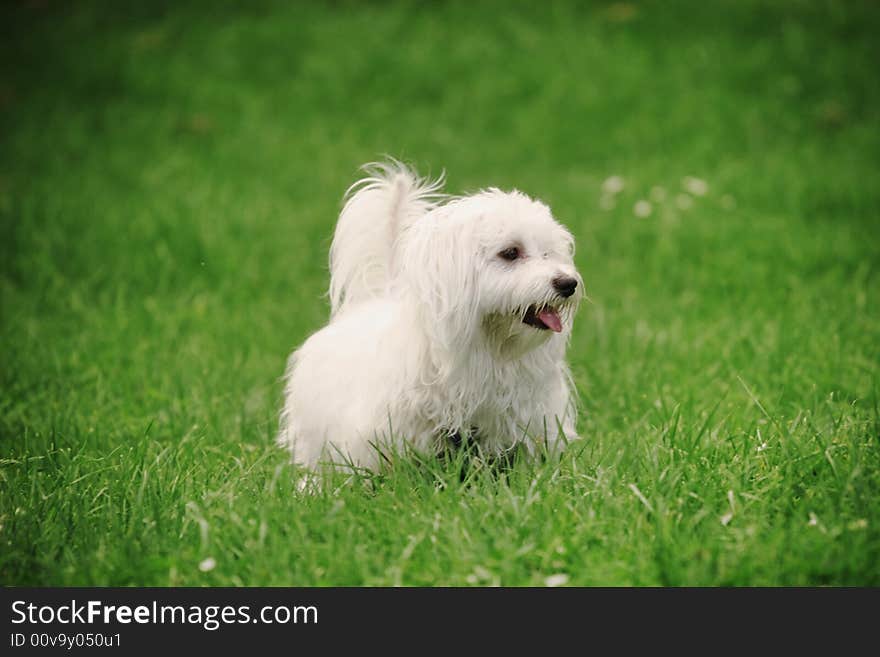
(565, 285)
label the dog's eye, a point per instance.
(509, 254)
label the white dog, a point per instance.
(450, 319)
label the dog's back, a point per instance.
(378, 210)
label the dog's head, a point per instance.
(494, 266)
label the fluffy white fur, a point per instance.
(427, 338)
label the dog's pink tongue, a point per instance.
(551, 320)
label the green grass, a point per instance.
(169, 181)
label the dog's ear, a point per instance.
(438, 265)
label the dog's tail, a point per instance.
(377, 212)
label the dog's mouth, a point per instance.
(544, 318)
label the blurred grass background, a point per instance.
(170, 174)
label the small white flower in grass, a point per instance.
(613, 185)
(208, 565)
(761, 447)
(726, 518)
(559, 579)
(642, 209)
(684, 202)
(813, 521)
(695, 186)
(658, 194)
